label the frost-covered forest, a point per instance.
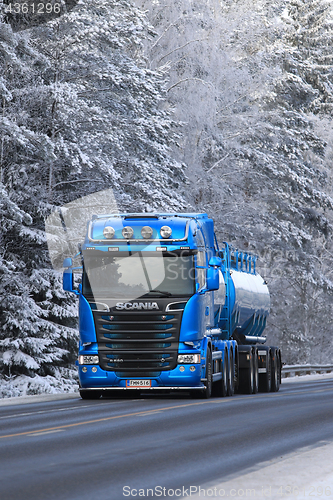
(221, 107)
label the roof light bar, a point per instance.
(127, 232)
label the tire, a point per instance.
(231, 374)
(89, 394)
(207, 392)
(246, 378)
(280, 367)
(255, 371)
(220, 387)
(265, 378)
(275, 369)
(236, 369)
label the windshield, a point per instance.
(137, 275)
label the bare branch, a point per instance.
(181, 47)
(232, 136)
(80, 94)
(164, 32)
(188, 79)
(231, 104)
(241, 115)
(78, 180)
(219, 161)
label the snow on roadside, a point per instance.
(306, 378)
(64, 381)
(306, 473)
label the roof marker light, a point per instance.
(108, 232)
(166, 231)
(127, 232)
(147, 232)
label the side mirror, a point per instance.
(213, 281)
(215, 261)
(68, 262)
(67, 281)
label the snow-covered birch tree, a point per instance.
(248, 77)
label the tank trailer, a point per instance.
(163, 307)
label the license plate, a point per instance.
(138, 383)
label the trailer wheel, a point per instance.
(220, 387)
(265, 378)
(90, 394)
(231, 374)
(275, 376)
(246, 378)
(236, 369)
(207, 392)
(255, 371)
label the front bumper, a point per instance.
(168, 380)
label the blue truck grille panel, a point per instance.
(138, 343)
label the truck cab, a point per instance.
(154, 306)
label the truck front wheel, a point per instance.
(209, 376)
(231, 374)
(89, 394)
(220, 388)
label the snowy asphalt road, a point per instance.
(71, 449)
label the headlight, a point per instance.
(147, 232)
(165, 231)
(189, 358)
(108, 232)
(127, 232)
(88, 360)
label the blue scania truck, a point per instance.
(163, 307)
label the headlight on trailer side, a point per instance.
(88, 360)
(189, 359)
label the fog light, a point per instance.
(84, 369)
(189, 358)
(94, 369)
(182, 368)
(192, 368)
(88, 360)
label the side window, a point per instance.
(201, 273)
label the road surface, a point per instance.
(70, 449)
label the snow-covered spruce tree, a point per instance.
(36, 319)
(31, 342)
(308, 34)
(83, 114)
(103, 110)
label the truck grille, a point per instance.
(138, 343)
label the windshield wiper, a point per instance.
(167, 294)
